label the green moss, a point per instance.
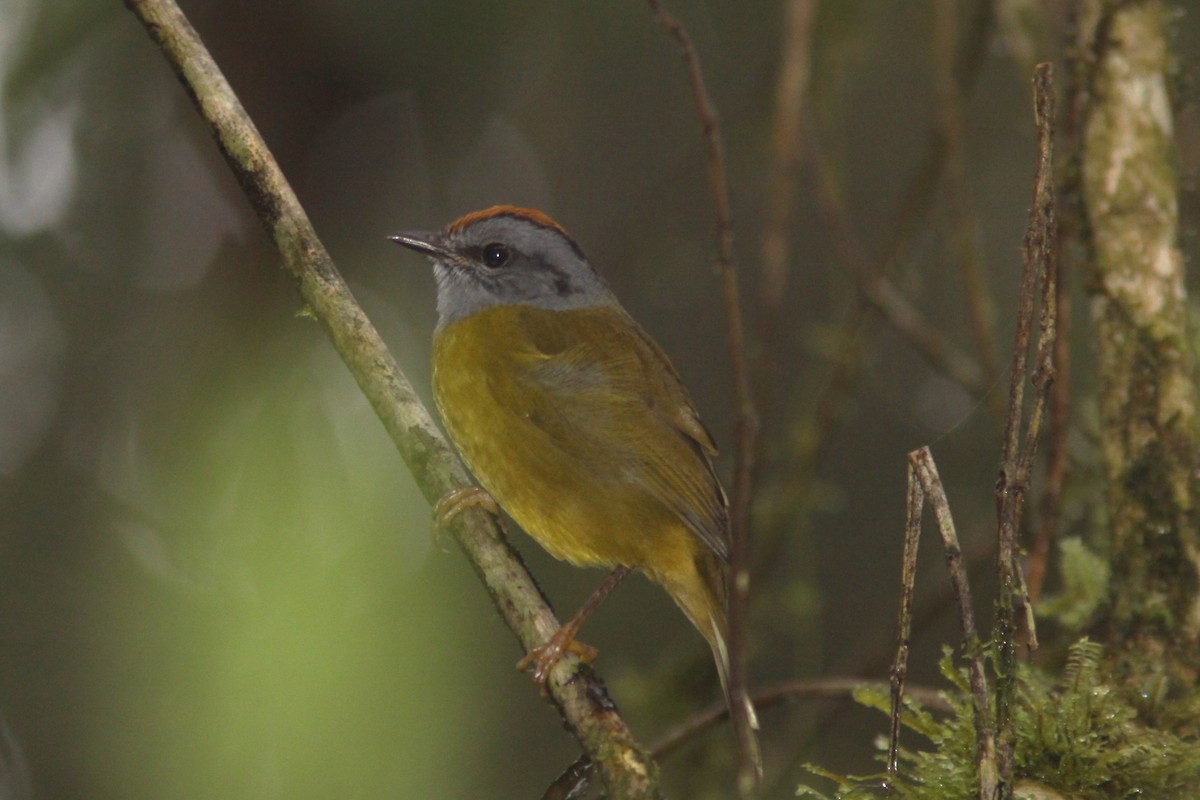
(1084, 586)
(1076, 736)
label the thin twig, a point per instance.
(786, 692)
(908, 579)
(749, 761)
(1057, 460)
(921, 461)
(873, 655)
(929, 610)
(1042, 248)
(580, 697)
(1070, 244)
(1018, 451)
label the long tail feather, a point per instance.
(747, 717)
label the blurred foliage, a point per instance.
(1084, 586)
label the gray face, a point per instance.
(507, 258)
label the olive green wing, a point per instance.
(615, 402)
(672, 404)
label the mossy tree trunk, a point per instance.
(1148, 393)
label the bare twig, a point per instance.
(1018, 451)
(994, 747)
(921, 462)
(1057, 461)
(908, 579)
(580, 697)
(787, 144)
(1044, 250)
(873, 656)
(1071, 245)
(749, 761)
(877, 290)
(781, 693)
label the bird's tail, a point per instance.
(703, 599)
(741, 708)
(721, 657)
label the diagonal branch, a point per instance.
(938, 349)
(580, 697)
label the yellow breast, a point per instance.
(554, 413)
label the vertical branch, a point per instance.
(994, 746)
(1041, 248)
(1073, 247)
(921, 462)
(1038, 265)
(788, 135)
(1147, 363)
(1057, 460)
(747, 419)
(908, 579)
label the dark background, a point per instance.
(217, 578)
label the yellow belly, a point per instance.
(555, 457)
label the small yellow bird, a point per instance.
(572, 418)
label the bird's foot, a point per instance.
(455, 502)
(542, 658)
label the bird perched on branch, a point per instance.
(574, 421)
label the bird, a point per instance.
(574, 421)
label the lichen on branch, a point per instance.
(1147, 398)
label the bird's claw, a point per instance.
(453, 503)
(542, 658)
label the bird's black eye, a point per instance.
(496, 255)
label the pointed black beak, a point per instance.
(423, 242)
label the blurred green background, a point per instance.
(216, 577)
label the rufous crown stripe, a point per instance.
(530, 214)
